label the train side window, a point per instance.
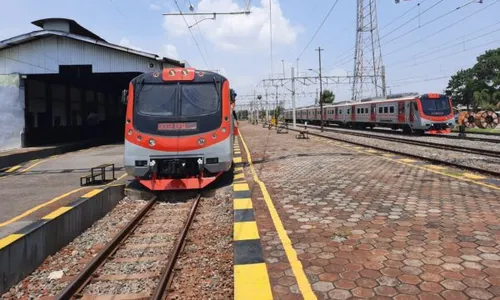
(391, 109)
(357, 110)
(348, 111)
(380, 110)
(386, 109)
(366, 110)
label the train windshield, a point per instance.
(436, 107)
(184, 100)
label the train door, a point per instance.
(373, 110)
(401, 112)
(336, 114)
(413, 104)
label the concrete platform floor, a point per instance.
(37, 182)
(364, 224)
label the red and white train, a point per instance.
(431, 113)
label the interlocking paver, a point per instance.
(369, 227)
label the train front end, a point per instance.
(179, 128)
(435, 114)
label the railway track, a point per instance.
(469, 150)
(137, 228)
(450, 136)
(434, 160)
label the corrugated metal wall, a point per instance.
(43, 56)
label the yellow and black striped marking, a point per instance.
(251, 279)
(11, 238)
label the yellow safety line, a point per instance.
(298, 271)
(32, 210)
(12, 169)
(36, 164)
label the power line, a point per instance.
(443, 29)
(451, 54)
(432, 21)
(319, 28)
(271, 36)
(408, 22)
(447, 46)
(201, 34)
(192, 35)
(118, 9)
(402, 15)
(348, 58)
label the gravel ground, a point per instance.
(435, 139)
(205, 267)
(73, 258)
(464, 159)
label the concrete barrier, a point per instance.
(23, 251)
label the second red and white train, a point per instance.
(431, 113)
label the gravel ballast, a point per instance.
(463, 159)
(73, 258)
(205, 266)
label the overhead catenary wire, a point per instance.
(343, 59)
(447, 46)
(200, 33)
(415, 17)
(318, 29)
(442, 29)
(191, 32)
(431, 21)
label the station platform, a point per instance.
(38, 187)
(12, 158)
(338, 221)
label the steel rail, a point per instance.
(167, 274)
(463, 149)
(75, 287)
(438, 161)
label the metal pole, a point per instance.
(276, 109)
(293, 100)
(267, 108)
(384, 87)
(283, 63)
(320, 88)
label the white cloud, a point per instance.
(126, 43)
(236, 32)
(155, 6)
(170, 51)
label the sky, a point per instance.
(423, 42)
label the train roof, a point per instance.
(202, 76)
(375, 101)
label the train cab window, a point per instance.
(380, 110)
(391, 109)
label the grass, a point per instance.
(479, 130)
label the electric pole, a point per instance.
(320, 88)
(293, 100)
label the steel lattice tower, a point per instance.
(369, 73)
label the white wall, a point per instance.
(12, 111)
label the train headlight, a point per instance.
(201, 141)
(223, 129)
(128, 121)
(214, 136)
(152, 142)
(129, 132)
(139, 138)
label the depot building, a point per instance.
(63, 83)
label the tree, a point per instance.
(479, 85)
(327, 97)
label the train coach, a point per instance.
(431, 113)
(179, 130)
